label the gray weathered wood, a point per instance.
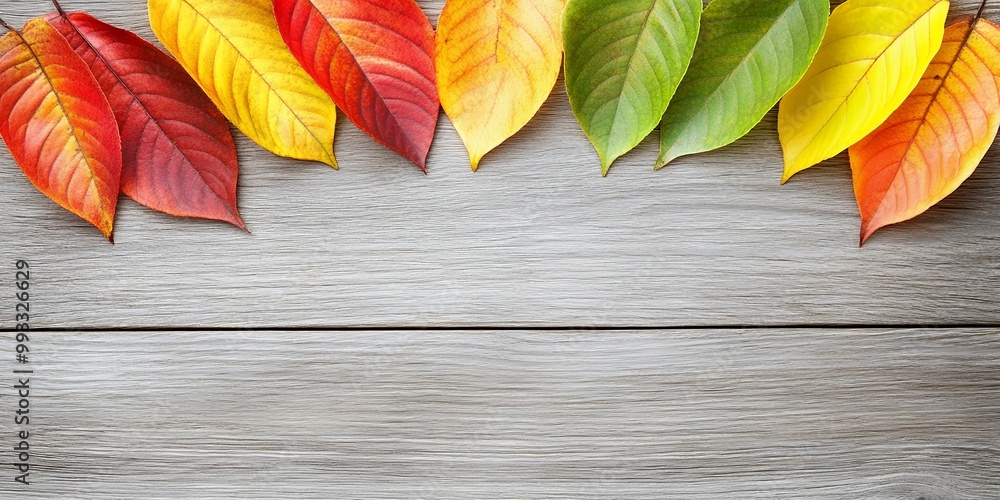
(901, 414)
(537, 237)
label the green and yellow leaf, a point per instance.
(624, 60)
(749, 54)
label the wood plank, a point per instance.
(580, 414)
(536, 238)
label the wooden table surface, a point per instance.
(529, 331)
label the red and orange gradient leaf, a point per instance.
(376, 60)
(58, 125)
(179, 155)
(937, 138)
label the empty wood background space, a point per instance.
(529, 331)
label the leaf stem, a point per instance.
(5, 25)
(979, 14)
(59, 8)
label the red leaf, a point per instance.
(376, 60)
(58, 125)
(179, 155)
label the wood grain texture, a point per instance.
(899, 414)
(536, 238)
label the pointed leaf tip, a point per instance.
(663, 160)
(865, 234)
(241, 224)
(785, 177)
(332, 163)
(606, 166)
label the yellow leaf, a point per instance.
(872, 57)
(497, 62)
(234, 51)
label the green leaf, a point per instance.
(624, 59)
(749, 54)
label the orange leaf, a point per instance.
(58, 125)
(937, 138)
(497, 62)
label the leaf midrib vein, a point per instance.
(364, 73)
(66, 115)
(930, 104)
(864, 78)
(631, 59)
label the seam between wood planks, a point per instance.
(838, 326)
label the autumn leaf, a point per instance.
(178, 154)
(497, 62)
(235, 53)
(375, 58)
(624, 60)
(937, 138)
(749, 53)
(872, 57)
(58, 125)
